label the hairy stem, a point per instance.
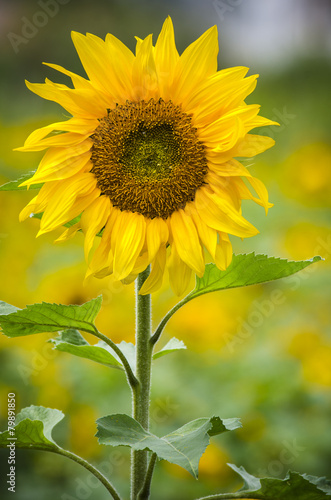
(146, 489)
(157, 334)
(234, 496)
(141, 392)
(133, 381)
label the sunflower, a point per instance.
(147, 158)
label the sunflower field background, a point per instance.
(262, 353)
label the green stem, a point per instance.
(141, 392)
(133, 381)
(230, 496)
(107, 484)
(160, 328)
(146, 489)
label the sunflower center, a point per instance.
(151, 153)
(147, 158)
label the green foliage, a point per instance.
(183, 447)
(14, 185)
(244, 270)
(33, 429)
(44, 317)
(72, 342)
(293, 486)
(172, 346)
(247, 269)
(7, 308)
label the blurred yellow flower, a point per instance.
(82, 424)
(306, 238)
(148, 157)
(213, 462)
(220, 318)
(317, 367)
(306, 175)
(254, 427)
(315, 354)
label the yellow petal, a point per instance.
(231, 168)
(187, 241)
(127, 241)
(179, 273)
(69, 199)
(222, 135)
(31, 208)
(79, 102)
(93, 220)
(75, 210)
(68, 139)
(78, 81)
(67, 168)
(260, 121)
(228, 128)
(223, 254)
(77, 125)
(144, 75)
(220, 97)
(207, 235)
(166, 57)
(102, 261)
(260, 189)
(157, 234)
(197, 63)
(140, 265)
(94, 55)
(121, 61)
(240, 92)
(213, 88)
(68, 233)
(154, 280)
(224, 219)
(252, 145)
(39, 202)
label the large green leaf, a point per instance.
(247, 269)
(183, 447)
(33, 429)
(73, 342)
(14, 185)
(244, 270)
(39, 318)
(293, 487)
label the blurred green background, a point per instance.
(254, 353)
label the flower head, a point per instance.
(148, 157)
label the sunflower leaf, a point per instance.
(7, 308)
(72, 342)
(172, 346)
(244, 270)
(44, 317)
(247, 269)
(292, 487)
(15, 185)
(33, 429)
(183, 447)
